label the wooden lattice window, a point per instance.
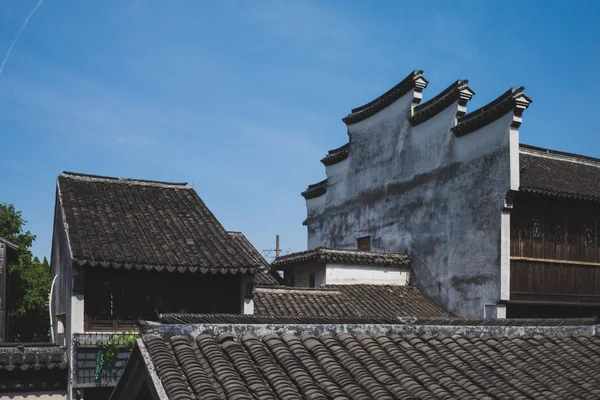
(311, 280)
(537, 229)
(559, 232)
(548, 230)
(525, 230)
(588, 235)
(364, 243)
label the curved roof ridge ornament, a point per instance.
(415, 80)
(514, 100)
(458, 91)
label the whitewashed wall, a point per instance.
(340, 274)
(423, 190)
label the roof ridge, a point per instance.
(112, 179)
(558, 155)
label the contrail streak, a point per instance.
(39, 3)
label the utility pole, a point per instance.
(277, 251)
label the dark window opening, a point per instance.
(363, 243)
(291, 278)
(311, 280)
(126, 296)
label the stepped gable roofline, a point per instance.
(32, 356)
(336, 155)
(144, 225)
(458, 91)
(514, 100)
(130, 181)
(326, 255)
(415, 80)
(315, 190)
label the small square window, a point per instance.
(363, 243)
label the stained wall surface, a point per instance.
(424, 190)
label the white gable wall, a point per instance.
(424, 190)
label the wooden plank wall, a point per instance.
(555, 229)
(555, 251)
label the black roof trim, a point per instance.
(190, 318)
(513, 99)
(344, 256)
(76, 175)
(415, 80)
(315, 190)
(459, 90)
(559, 153)
(336, 155)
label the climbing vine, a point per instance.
(108, 351)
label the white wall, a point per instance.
(302, 275)
(339, 274)
(424, 190)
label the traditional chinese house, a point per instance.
(125, 250)
(494, 227)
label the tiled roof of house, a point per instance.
(371, 362)
(346, 301)
(264, 275)
(34, 356)
(115, 222)
(325, 255)
(187, 318)
(559, 174)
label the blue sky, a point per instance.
(243, 98)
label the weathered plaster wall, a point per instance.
(423, 190)
(339, 274)
(302, 275)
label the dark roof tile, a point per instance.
(264, 275)
(382, 366)
(559, 174)
(343, 256)
(145, 224)
(32, 356)
(346, 301)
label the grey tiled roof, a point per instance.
(375, 365)
(114, 222)
(264, 275)
(325, 255)
(346, 301)
(559, 174)
(34, 356)
(187, 318)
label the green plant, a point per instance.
(107, 352)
